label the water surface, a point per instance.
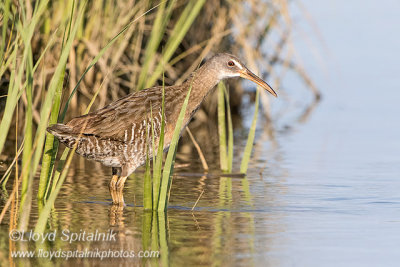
(323, 191)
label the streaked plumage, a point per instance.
(116, 134)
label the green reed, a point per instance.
(156, 197)
(226, 149)
(65, 160)
(185, 21)
(159, 27)
(147, 181)
(224, 115)
(248, 149)
(54, 85)
(59, 175)
(33, 155)
(250, 138)
(170, 160)
(151, 186)
(157, 161)
(16, 57)
(225, 184)
(23, 66)
(223, 158)
(51, 145)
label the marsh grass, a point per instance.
(158, 160)
(67, 155)
(226, 149)
(225, 132)
(54, 55)
(32, 147)
(225, 117)
(170, 160)
(226, 146)
(250, 137)
(51, 145)
(157, 198)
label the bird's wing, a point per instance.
(122, 119)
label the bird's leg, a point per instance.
(124, 173)
(113, 185)
(120, 189)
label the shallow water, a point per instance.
(323, 191)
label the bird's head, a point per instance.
(229, 66)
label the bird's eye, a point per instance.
(231, 63)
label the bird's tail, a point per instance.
(63, 133)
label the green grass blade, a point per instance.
(157, 167)
(5, 15)
(178, 33)
(230, 132)
(54, 84)
(28, 132)
(8, 62)
(169, 162)
(49, 44)
(3, 179)
(44, 115)
(147, 186)
(25, 31)
(57, 172)
(153, 142)
(157, 32)
(59, 176)
(51, 144)
(66, 151)
(11, 102)
(152, 45)
(147, 193)
(45, 212)
(250, 138)
(12, 99)
(96, 58)
(223, 159)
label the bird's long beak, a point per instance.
(252, 77)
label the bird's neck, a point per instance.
(202, 82)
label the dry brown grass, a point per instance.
(257, 31)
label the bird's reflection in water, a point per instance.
(116, 215)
